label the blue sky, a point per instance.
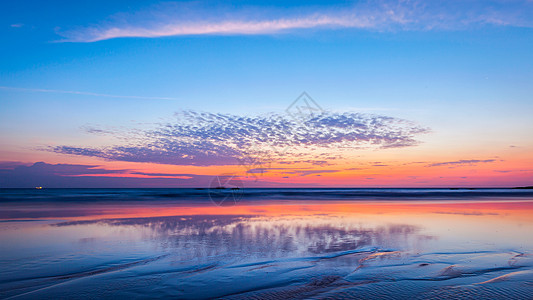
(463, 69)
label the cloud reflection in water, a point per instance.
(259, 236)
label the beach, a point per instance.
(400, 248)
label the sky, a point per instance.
(277, 93)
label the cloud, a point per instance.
(10, 165)
(320, 163)
(178, 19)
(174, 175)
(205, 139)
(18, 175)
(82, 93)
(258, 170)
(64, 169)
(510, 171)
(461, 162)
(297, 171)
(311, 172)
(467, 213)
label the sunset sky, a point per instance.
(281, 94)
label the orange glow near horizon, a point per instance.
(512, 210)
(397, 168)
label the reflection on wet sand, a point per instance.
(207, 235)
(275, 250)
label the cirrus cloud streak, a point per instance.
(191, 19)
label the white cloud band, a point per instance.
(383, 15)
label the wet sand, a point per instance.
(268, 250)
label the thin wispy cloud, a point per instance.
(192, 19)
(178, 175)
(62, 169)
(296, 171)
(82, 93)
(203, 139)
(311, 172)
(19, 175)
(462, 162)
